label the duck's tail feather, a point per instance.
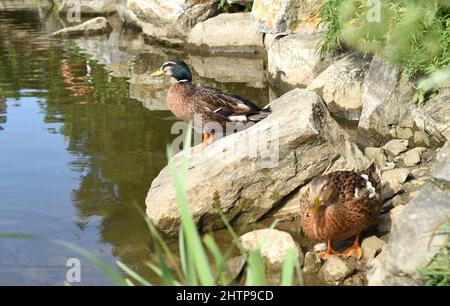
(374, 174)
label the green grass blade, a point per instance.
(187, 263)
(219, 260)
(298, 270)
(256, 275)
(115, 277)
(232, 232)
(132, 274)
(129, 282)
(267, 234)
(287, 271)
(194, 244)
(157, 238)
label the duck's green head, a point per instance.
(176, 69)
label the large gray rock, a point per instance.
(311, 263)
(89, 7)
(226, 33)
(298, 141)
(275, 246)
(92, 27)
(387, 97)
(371, 246)
(293, 59)
(341, 86)
(335, 269)
(441, 167)
(392, 181)
(168, 21)
(412, 157)
(285, 16)
(434, 117)
(412, 243)
(394, 147)
(376, 154)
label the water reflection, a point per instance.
(3, 108)
(86, 134)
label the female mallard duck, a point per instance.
(340, 205)
(209, 105)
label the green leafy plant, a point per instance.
(330, 19)
(413, 34)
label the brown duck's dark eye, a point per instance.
(308, 215)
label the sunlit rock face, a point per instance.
(293, 60)
(168, 21)
(341, 86)
(285, 16)
(434, 116)
(227, 33)
(296, 142)
(387, 97)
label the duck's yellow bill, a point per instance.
(157, 73)
(316, 205)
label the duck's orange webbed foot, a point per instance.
(355, 250)
(325, 255)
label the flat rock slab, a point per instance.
(247, 173)
(92, 27)
(226, 33)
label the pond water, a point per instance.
(83, 132)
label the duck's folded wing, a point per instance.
(215, 99)
(363, 186)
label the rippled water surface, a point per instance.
(83, 131)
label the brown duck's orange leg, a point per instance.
(355, 250)
(205, 140)
(325, 255)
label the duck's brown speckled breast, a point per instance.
(178, 101)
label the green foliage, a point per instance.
(227, 7)
(437, 273)
(224, 5)
(413, 34)
(331, 20)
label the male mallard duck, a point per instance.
(209, 104)
(341, 205)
